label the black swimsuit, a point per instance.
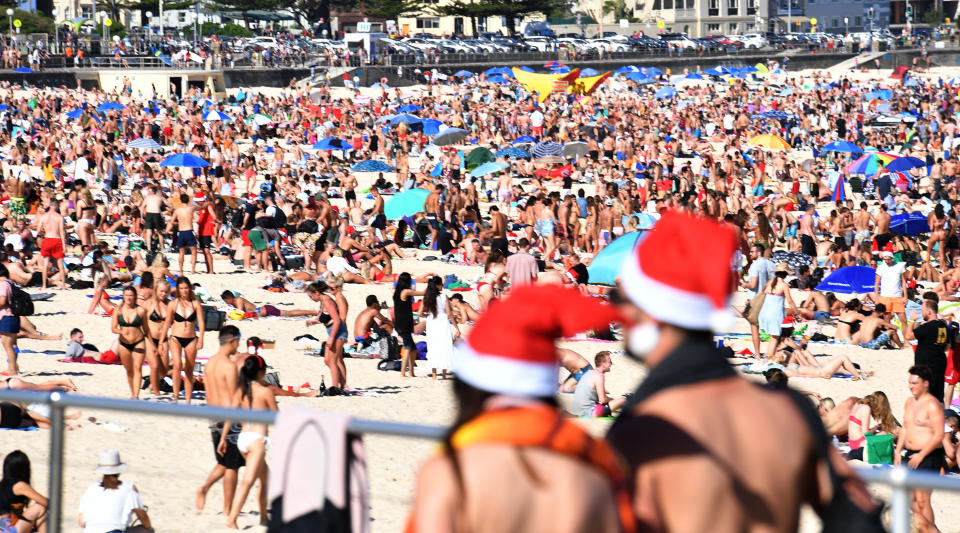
(122, 322)
(154, 317)
(177, 317)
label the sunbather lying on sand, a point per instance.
(247, 306)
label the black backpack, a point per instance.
(238, 215)
(279, 218)
(20, 302)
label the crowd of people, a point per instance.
(760, 183)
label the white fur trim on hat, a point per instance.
(504, 375)
(669, 304)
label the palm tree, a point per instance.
(618, 8)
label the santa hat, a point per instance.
(511, 348)
(681, 272)
(200, 197)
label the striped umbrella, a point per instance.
(870, 164)
(545, 148)
(144, 143)
(550, 160)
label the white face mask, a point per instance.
(643, 338)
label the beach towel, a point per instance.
(27, 428)
(44, 352)
(318, 481)
(87, 360)
(41, 296)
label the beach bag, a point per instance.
(387, 365)
(212, 319)
(752, 312)
(20, 302)
(879, 449)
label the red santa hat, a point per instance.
(511, 349)
(680, 274)
(200, 197)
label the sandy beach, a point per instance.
(170, 458)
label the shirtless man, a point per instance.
(370, 319)
(882, 230)
(922, 438)
(221, 386)
(153, 218)
(498, 231)
(18, 183)
(868, 337)
(505, 190)
(378, 220)
(51, 226)
(861, 223)
(747, 461)
(247, 306)
(807, 232)
(576, 365)
(349, 194)
(433, 207)
(186, 238)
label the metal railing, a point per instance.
(59, 401)
(900, 479)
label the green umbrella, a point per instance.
(478, 157)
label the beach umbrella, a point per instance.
(498, 71)
(561, 70)
(185, 160)
(771, 142)
(640, 78)
(870, 164)
(144, 143)
(575, 149)
(665, 92)
(749, 69)
(110, 106)
(794, 259)
(909, 224)
(839, 190)
(409, 108)
(431, 126)
(903, 164)
(450, 136)
(912, 82)
(651, 71)
(716, 71)
(554, 64)
(524, 139)
(693, 76)
(512, 153)
(488, 168)
(607, 265)
(841, 146)
(23, 70)
(383, 119)
(405, 118)
(214, 115)
(550, 160)
(405, 204)
(477, 157)
(849, 280)
(463, 74)
(524, 68)
(371, 165)
(545, 148)
(332, 143)
(627, 69)
(259, 119)
(498, 79)
(786, 91)
(885, 94)
(75, 114)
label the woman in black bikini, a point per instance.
(184, 320)
(22, 508)
(157, 309)
(130, 323)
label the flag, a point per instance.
(839, 192)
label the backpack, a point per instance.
(20, 302)
(236, 219)
(393, 349)
(279, 218)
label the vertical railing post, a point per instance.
(900, 502)
(56, 463)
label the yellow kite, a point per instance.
(586, 86)
(544, 84)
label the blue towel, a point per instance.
(28, 428)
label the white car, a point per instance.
(542, 44)
(264, 42)
(613, 45)
(754, 41)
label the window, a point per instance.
(750, 27)
(429, 23)
(751, 7)
(668, 4)
(835, 22)
(713, 9)
(733, 27)
(181, 17)
(713, 28)
(858, 21)
(733, 7)
(656, 5)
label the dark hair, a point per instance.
(227, 294)
(429, 304)
(776, 378)
(523, 242)
(252, 367)
(228, 333)
(372, 299)
(74, 331)
(318, 286)
(4, 273)
(922, 372)
(184, 198)
(931, 295)
(146, 280)
(16, 467)
(880, 308)
(404, 281)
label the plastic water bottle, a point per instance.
(323, 387)
(836, 442)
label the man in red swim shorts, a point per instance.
(51, 227)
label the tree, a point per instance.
(31, 22)
(245, 6)
(934, 17)
(314, 11)
(513, 9)
(617, 8)
(460, 8)
(390, 9)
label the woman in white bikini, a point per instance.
(254, 393)
(86, 217)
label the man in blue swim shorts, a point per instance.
(576, 365)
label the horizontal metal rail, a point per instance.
(900, 479)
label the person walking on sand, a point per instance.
(511, 456)
(754, 454)
(922, 439)
(184, 327)
(403, 295)
(9, 323)
(186, 238)
(254, 393)
(129, 322)
(329, 316)
(51, 227)
(441, 328)
(220, 381)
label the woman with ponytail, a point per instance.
(254, 393)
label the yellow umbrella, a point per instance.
(762, 69)
(772, 142)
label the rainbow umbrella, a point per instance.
(771, 142)
(870, 164)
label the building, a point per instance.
(87, 9)
(448, 25)
(698, 18)
(847, 16)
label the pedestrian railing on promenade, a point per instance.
(900, 479)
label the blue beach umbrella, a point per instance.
(561, 70)
(409, 108)
(651, 71)
(627, 69)
(524, 68)
(431, 126)
(463, 74)
(371, 165)
(110, 106)
(184, 160)
(849, 280)
(588, 72)
(498, 79)
(909, 224)
(607, 265)
(405, 204)
(405, 118)
(75, 114)
(488, 168)
(665, 92)
(841, 146)
(524, 139)
(144, 143)
(213, 116)
(904, 164)
(331, 143)
(693, 76)
(512, 153)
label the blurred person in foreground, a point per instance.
(512, 461)
(756, 454)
